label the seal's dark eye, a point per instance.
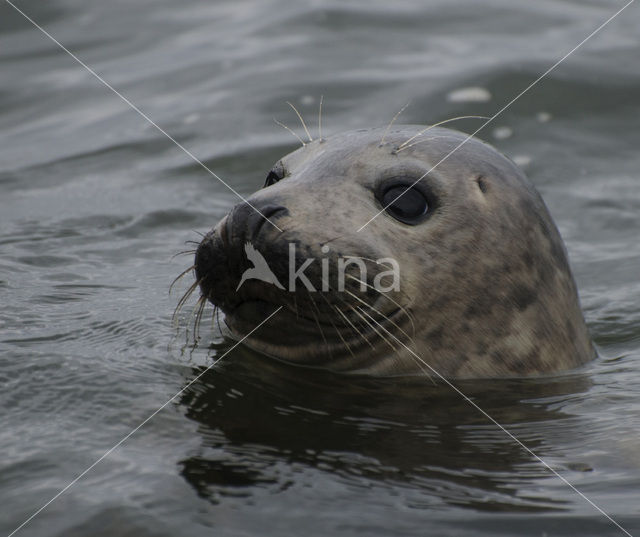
(272, 179)
(405, 203)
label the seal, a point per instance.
(405, 252)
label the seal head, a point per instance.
(462, 266)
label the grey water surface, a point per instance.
(95, 201)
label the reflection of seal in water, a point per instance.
(484, 290)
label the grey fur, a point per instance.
(486, 288)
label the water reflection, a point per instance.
(254, 413)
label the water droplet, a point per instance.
(502, 133)
(522, 160)
(469, 95)
(543, 117)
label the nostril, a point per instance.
(267, 214)
(272, 210)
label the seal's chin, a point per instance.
(315, 340)
(252, 311)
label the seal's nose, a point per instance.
(246, 221)
(206, 256)
(220, 257)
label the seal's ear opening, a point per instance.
(405, 201)
(482, 184)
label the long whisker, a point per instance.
(340, 334)
(386, 131)
(184, 252)
(326, 342)
(304, 125)
(364, 320)
(180, 276)
(365, 328)
(295, 304)
(290, 130)
(423, 141)
(199, 308)
(394, 302)
(332, 324)
(359, 332)
(183, 300)
(192, 344)
(372, 326)
(331, 240)
(443, 122)
(377, 263)
(216, 310)
(379, 313)
(421, 363)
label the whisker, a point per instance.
(423, 141)
(317, 319)
(184, 252)
(216, 311)
(366, 323)
(304, 125)
(386, 131)
(291, 131)
(199, 308)
(183, 300)
(375, 261)
(347, 319)
(415, 357)
(365, 327)
(395, 302)
(443, 122)
(188, 343)
(331, 240)
(373, 327)
(379, 313)
(340, 334)
(180, 276)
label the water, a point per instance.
(94, 202)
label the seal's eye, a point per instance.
(272, 179)
(405, 203)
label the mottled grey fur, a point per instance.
(485, 288)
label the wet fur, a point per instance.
(486, 288)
